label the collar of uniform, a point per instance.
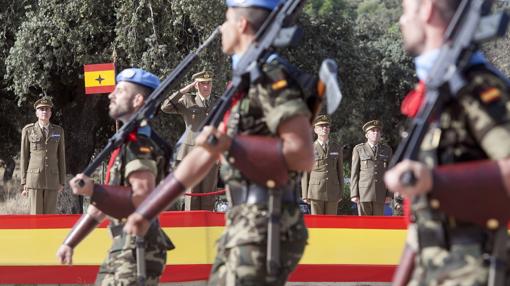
(202, 98)
(425, 62)
(322, 143)
(372, 145)
(42, 126)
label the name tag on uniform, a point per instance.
(55, 136)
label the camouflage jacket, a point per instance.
(275, 98)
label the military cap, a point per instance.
(322, 119)
(139, 76)
(264, 4)
(202, 76)
(372, 124)
(44, 101)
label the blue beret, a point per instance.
(139, 76)
(265, 4)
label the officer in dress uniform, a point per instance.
(323, 186)
(194, 107)
(43, 163)
(132, 174)
(369, 162)
(269, 124)
(459, 220)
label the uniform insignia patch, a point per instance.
(490, 95)
(145, 149)
(279, 84)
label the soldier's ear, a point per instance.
(138, 100)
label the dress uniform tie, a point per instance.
(374, 149)
(45, 131)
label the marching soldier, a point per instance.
(369, 162)
(323, 186)
(43, 163)
(131, 176)
(194, 108)
(459, 221)
(270, 124)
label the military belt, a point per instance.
(460, 235)
(116, 227)
(252, 194)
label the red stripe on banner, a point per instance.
(87, 274)
(194, 272)
(99, 89)
(168, 219)
(98, 67)
(342, 273)
(371, 222)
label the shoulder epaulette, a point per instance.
(28, 125)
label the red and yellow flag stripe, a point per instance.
(347, 249)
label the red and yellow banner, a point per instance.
(99, 78)
(340, 248)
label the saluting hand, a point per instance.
(423, 175)
(87, 188)
(136, 224)
(65, 254)
(187, 88)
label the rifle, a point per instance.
(150, 106)
(141, 117)
(470, 26)
(276, 31)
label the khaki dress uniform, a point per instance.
(43, 164)
(193, 110)
(323, 186)
(367, 173)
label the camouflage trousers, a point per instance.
(241, 253)
(462, 265)
(119, 268)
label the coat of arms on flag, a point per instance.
(99, 78)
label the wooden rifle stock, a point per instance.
(405, 268)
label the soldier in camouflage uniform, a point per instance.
(275, 120)
(194, 107)
(132, 174)
(456, 226)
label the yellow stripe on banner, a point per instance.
(100, 78)
(197, 245)
(354, 246)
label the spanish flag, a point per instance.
(99, 78)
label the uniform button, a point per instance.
(375, 180)
(375, 173)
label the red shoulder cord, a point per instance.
(410, 107)
(130, 138)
